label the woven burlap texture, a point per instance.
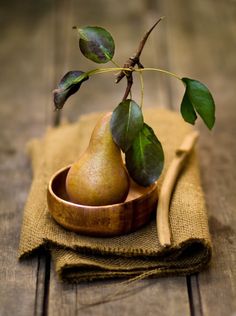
(77, 257)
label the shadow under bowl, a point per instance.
(104, 221)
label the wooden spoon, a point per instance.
(163, 224)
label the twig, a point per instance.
(133, 61)
(129, 85)
(163, 225)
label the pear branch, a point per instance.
(135, 60)
(129, 85)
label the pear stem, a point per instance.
(106, 70)
(159, 70)
(142, 88)
(129, 77)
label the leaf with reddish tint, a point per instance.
(68, 85)
(96, 44)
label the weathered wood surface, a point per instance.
(26, 60)
(201, 44)
(197, 39)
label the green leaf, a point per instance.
(126, 122)
(145, 158)
(68, 85)
(201, 99)
(96, 44)
(187, 110)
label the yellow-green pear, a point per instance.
(99, 176)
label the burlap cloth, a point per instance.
(78, 258)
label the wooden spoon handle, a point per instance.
(163, 224)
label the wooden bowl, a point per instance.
(108, 220)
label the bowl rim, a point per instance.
(152, 187)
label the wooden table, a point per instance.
(197, 39)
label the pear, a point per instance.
(99, 177)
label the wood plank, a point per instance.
(202, 42)
(146, 296)
(25, 82)
(62, 298)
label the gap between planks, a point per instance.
(195, 302)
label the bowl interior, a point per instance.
(58, 188)
(58, 185)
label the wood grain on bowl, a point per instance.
(107, 220)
